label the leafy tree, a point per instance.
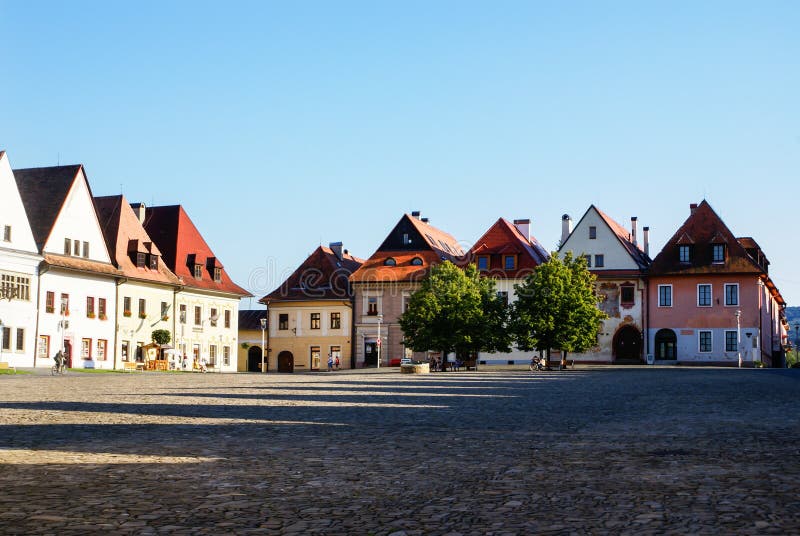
(556, 307)
(455, 310)
(161, 336)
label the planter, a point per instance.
(411, 368)
(143, 315)
(126, 314)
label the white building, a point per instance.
(19, 268)
(620, 263)
(77, 282)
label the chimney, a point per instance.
(336, 247)
(566, 228)
(646, 233)
(415, 214)
(692, 208)
(524, 227)
(139, 209)
(633, 229)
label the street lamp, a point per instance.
(739, 336)
(263, 350)
(378, 342)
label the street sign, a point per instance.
(378, 342)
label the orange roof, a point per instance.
(80, 264)
(504, 238)
(125, 235)
(624, 237)
(322, 276)
(375, 269)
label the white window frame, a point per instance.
(710, 294)
(725, 294)
(699, 347)
(736, 333)
(671, 296)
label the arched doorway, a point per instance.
(285, 361)
(666, 342)
(254, 359)
(627, 345)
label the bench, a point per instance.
(471, 364)
(4, 365)
(130, 366)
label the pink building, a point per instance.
(711, 298)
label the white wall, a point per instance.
(139, 330)
(616, 257)
(206, 335)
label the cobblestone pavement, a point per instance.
(607, 450)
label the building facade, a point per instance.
(311, 313)
(383, 285)
(712, 299)
(252, 340)
(620, 262)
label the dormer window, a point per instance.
(416, 261)
(685, 254)
(390, 261)
(140, 258)
(718, 253)
(154, 262)
(198, 271)
(217, 274)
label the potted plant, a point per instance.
(126, 313)
(142, 315)
(89, 315)
(165, 318)
(103, 316)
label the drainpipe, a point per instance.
(43, 267)
(120, 282)
(647, 313)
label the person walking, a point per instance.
(330, 362)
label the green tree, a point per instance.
(556, 307)
(455, 310)
(161, 336)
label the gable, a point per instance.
(405, 237)
(12, 212)
(77, 220)
(607, 242)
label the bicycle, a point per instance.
(58, 369)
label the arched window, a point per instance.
(416, 261)
(390, 261)
(666, 341)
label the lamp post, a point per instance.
(739, 336)
(263, 350)
(378, 342)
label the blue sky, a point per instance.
(280, 126)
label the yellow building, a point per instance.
(310, 316)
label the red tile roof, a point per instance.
(322, 276)
(504, 238)
(624, 237)
(79, 264)
(182, 246)
(123, 234)
(375, 269)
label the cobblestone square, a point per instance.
(593, 450)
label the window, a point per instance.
(226, 355)
(19, 286)
(509, 262)
(283, 321)
(182, 309)
(198, 271)
(7, 233)
(416, 261)
(336, 320)
(126, 306)
(50, 302)
(217, 274)
(86, 348)
(198, 315)
(20, 339)
(627, 295)
(6, 338)
(214, 317)
(140, 258)
(64, 308)
(315, 320)
(142, 308)
(164, 310)
(86, 250)
(731, 341)
(592, 232)
(503, 296)
(336, 353)
(406, 299)
(126, 346)
(154, 262)
(372, 305)
(101, 308)
(67, 246)
(101, 349)
(665, 295)
(76, 248)
(666, 341)
(227, 318)
(212, 355)
(315, 355)
(685, 253)
(588, 259)
(704, 295)
(43, 349)
(705, 341)
(89, 307)
(718, 253)
(732, 294)
(599, 261)
(390, 261)
(483, 263)
(406, 239)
